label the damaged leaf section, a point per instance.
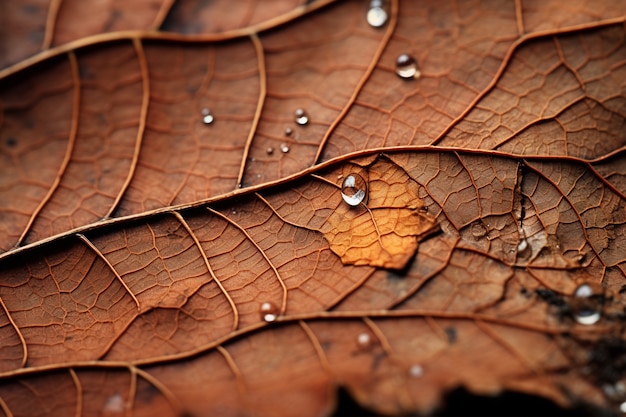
(383, 230)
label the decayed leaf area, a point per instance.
(175, 242)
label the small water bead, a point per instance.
(376, 15)
(406, 67)
(288, 130)
(301, 118)
(364, 340)
(269, 312)
(583, 291)
(622, 407)
(353, 189)
(416, 371)
(284, 148)
(586, 315)
(524, 250)
(269, 150)
(207, 117)
(478, 230)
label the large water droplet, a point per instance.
(269, 312)
(207, 117)
(353, 189)
(406, 67)
(376, 15)
(586, 314)
(301, 118)
(622, 407)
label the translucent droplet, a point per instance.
(364, 340)
(115, 404)
(269, 150)
(406, 67)
(622, 407)
(301, 118)
(524, 250)
(478, 230)
(416, 371)
(207, 117)
(269, 312)
(284, 148)
(583, 291)
(353, 189)
(376, 15)
(586, 314)
(288, 130)
(258, 175)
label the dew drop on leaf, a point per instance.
(269, 312)
(376, 15)
(622, 407)
(583, 291)
(207, 117)
(301, 118)
(478, 231)
(524, 250)
(364, 340)
(353, 189)
(586, 315)
(406, 67)
(416, 371)
(269, 150)
(288, 130)
(284, 148)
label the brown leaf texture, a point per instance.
(174, 239)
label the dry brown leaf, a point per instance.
(174, 242)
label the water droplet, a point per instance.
(586, 314)
(284, 148)
(207, 117)
(524, 250)
(269, 312)
(234, 211)
(416, 371)
(288, 130)
(406, 67)
(478, 230)
(364, 340)
(269, 150)
(258, 175)
(376, 15)
(583, 291)
(622, 407)
(301, 118)
(353, 190)
(114, 404)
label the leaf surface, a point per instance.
(175, 241)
